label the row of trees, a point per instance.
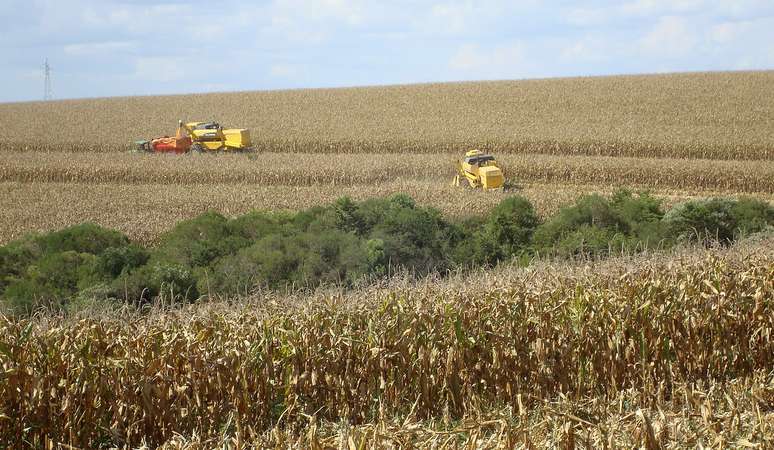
(347, 243)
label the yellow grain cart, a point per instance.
(479, 170)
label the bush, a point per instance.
(341, 244)
(752, 215)
(172, 281)
(14, 259)
(51, 280)
(83, 238)
(702, 220)
(113, 261)
(590, 240)
(643, 215)
(258, 224)
(511, 225)
(589, 211)
(198, 242)
(719, 219)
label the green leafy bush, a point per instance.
(83, 238)
(50, 280)
(718, 219)
(511, 225)
(591, 211)
(198, 242)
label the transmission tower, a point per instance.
(47, 95)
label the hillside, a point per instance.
(706, 115)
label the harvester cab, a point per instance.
(479, 170)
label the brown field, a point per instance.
(652, 351)
(680, 136)
(700, 115)
(649, 352)
(144, 195)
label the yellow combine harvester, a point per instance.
(199, 137)
(210, 136)
(479, 170)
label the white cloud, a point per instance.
(98, 48)
(587, 49)
(287, 71)
(451, 17)
(586, 17)
(161, 69)
(659, 7)
(499, 62)
(672, 36)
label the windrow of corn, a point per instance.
(443, 350)
(700, 115)
(346, 170)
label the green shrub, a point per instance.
(643, 214)
(752, 215)
(271, 261)
(258, 224)
(717, 218)
(589, 211)
(332, 257)
(113, 261)
(590, 240)
(14, 259)
(83, 238)
(51, 280)
(198, 242)
(511, 225)
(172, 281)
(707, 219)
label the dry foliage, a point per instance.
(699, 115)
(661, 351)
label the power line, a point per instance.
(47, 94)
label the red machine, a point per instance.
(171, 144)
(180, 143)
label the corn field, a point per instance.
(702, 115)
(651, 351)
(680, 136)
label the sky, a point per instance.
(99, 48)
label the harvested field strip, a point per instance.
(447, 348)
(697, 115)
(289, 169)
(614, 148)
(144, 211)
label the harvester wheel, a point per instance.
(197, 148)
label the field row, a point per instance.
(699, 115)
(610, 147)
(288, 169)
(654, 331)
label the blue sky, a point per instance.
(111, 48)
